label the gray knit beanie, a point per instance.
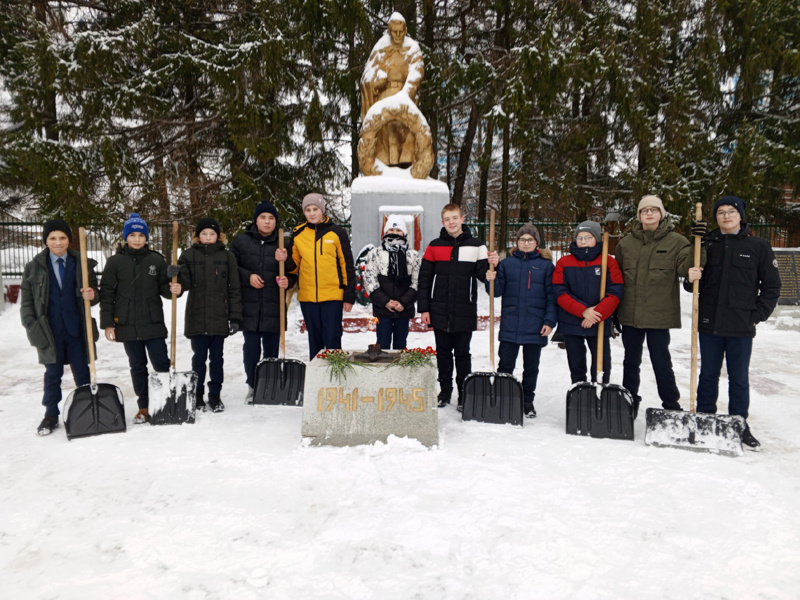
(529, 229)
(592, 227)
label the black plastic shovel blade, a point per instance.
(492, 398)
(94, 410)
(608, 414)
(718, 434)
(279, 381)
(173, 396)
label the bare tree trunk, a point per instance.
(50, 116)
(485, 163)
(464, 156)
(504, 185)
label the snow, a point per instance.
(398, 181)
(237, 506)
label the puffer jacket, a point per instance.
(131, 288)
(576, 281)
(324, 263)
(35, 300)
(210, 275)
(448, 280)
(525, 281)
(255, 255)
(381, 288)
(652, 263)
(740, 285)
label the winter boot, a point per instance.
(249, 398)
(215, 404)
(529, 411)
(444, 397)
(47, 425)
(749, 441)
(200, 404)
(637, 400)
(141, 417)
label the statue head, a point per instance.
(397, 29)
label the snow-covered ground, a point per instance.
(236, 506)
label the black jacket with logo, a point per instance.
(740, 284)
(131, 287)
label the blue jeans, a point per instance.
(256, 342)
(324, 325)
(576, 357)
(736, 351)
(530, 365)
(208, 347)
(137, 351)
(72, 351)
(388, 328)
(658, 346)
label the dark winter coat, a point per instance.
(210, 275)
(132, 285)
(525, 281)
(448, 280)
(740, 284)
(576, 281)
(324, 263)
(255, 254)
(652, 263)
(35, 299)
(381, 288)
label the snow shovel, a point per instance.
(173, 395)
(492, 397)
(280, 380)
(720, 434)
(98, 407)
(600, 410)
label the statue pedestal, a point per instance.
(374, 198)
(374, 402)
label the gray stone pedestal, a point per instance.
(375, 198)
(374, 402)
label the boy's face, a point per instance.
(57, 242)
(394, 231)
(136, 240)
(208, 236)
(527, 243)
(313, 214)
(585, 240)
(265, 223)
(649, 217)
(728, 219)
(452, 221)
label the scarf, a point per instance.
(396, 246)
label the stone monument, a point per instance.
(395, 147)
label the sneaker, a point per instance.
(141, 417)
(529, 411)
(749, 441)
(200, 405)
(47, 425)
(215, 404)
(249, 398)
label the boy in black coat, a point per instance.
(130, 307)
(258, 256)
(448, 297)
(739, 288)
(214, 307)
(51, 308)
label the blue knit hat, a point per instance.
(135, 224)
(265, 207)
(733, 201)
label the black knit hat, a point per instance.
(733, 201)
(55, 225)
(266, 207)
(206, 223)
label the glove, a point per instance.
(173, 271)
(616, 326)
(234, 327)
(700, 228)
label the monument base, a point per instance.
(396, 192)
(373, 402)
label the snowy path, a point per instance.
(236, 507)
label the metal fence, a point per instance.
(21, 241)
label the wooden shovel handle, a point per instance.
(698, 214)
(87, 305)
(281, 270)
(601, 324)
(491, 291)
(174, 328)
